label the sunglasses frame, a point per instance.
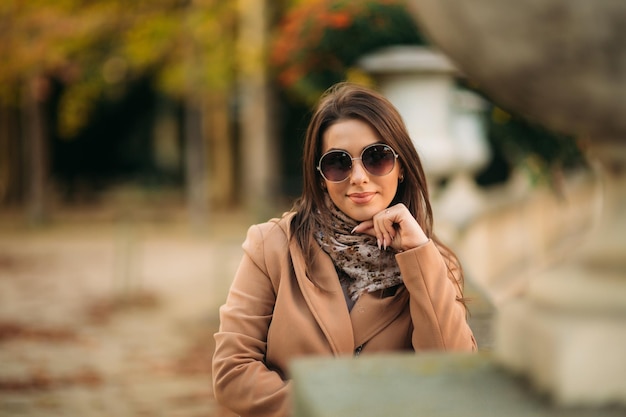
(359, 158)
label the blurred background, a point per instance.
(139, 140)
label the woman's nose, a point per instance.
(358, 174)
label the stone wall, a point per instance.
(522, 229)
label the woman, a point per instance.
(354, 268)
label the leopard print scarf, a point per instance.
(367, 267)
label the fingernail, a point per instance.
(354, 230)
(385, 244)
(378, 242)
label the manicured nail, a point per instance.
(354, 230)
(378, 242)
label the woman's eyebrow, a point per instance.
(344, 150)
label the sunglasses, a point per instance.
(377, 159)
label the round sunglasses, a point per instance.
(377, 159)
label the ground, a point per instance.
(113, 314)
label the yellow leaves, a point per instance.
(170, 79)
(114, 70)
(41, 39)
(192, 54)
(500, 116)
(359, 76)
(149, 40)
(93, 46)
(76, 106)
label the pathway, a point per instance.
(105, 318)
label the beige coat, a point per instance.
(275, 313)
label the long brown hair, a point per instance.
(346, 101)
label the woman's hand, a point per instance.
(394, 227)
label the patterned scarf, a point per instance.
(367, 267)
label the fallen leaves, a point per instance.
(11, 330)
(42, 379)
(101, 311)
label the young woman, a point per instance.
(354, 268)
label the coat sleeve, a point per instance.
(241, 380)
(439, 318)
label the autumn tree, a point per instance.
(95, 49)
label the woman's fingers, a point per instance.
(385, 224)
(366, 227)
(394, 227)
(383, 227)
(369, 227)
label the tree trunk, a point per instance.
(196, 167)
(36, 162)
(221, 150)
(260, 152)
(10, 157)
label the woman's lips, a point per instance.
(361, 198)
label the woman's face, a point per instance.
(362, 195)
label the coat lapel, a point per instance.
(325, 299)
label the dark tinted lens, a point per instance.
(336, 165)
(379, 159)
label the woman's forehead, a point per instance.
(352, 135)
